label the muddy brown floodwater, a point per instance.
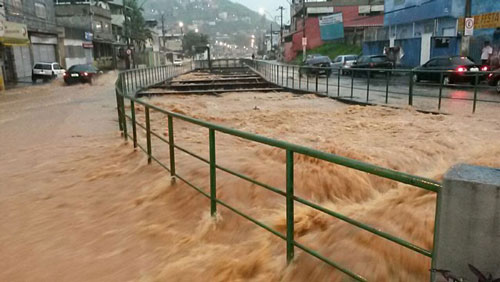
(78, 204)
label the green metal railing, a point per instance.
(344, 83)
(124, 92)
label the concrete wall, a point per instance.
(85, 17)
(28, 16)
(408, 11)
(468, 229)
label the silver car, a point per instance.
(343, 62)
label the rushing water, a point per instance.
(84, 207)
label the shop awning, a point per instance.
(12, 33)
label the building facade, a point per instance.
(94, 18)
(32, 23)
(356, 16)
(426, 29)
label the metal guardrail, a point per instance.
(328, 82)
(127, 85)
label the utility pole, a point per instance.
(466, 39)
(304, 38)
(281, 32)
(271, 36)
(163, 28)
(281, 28)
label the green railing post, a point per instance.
(317, 77)
(148, 134)
(213, 174)
(124, 118)
(387, 75)
(410, 90)
(171, 146)
(307, 81)
(327, 82)
(287, 76)
(119, 110)
(440, 90)
(338, 82)
(352, 84)
(476, 82)
(289, 207)
(368, 86)
(134, 126)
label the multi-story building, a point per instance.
(29, 34)
(306, 21)
(94, 18)
(425, 29)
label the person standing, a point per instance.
(486, 52)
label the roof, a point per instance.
(351, 17)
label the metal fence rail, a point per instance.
(126, 88)
(332, 82)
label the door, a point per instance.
(425, 49)
(22, 61)
(429, 66)
(44, 53)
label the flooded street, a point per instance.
(79, 204)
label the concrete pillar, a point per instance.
(468, 230)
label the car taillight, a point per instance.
(372, 64)
(484, 68)
(65, 74)
(490, 75)
(461, 69)
(85, 74)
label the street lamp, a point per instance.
(181, 25)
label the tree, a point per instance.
(135, 29)
(193, 39)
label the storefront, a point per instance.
(43, 47)
(14, 51)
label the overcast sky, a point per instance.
(269, 6)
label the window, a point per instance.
(16, 7)
(431, 63)
(98, 26)
(40, 10)
(444, 62)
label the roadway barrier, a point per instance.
(130, 82)
(331, 82)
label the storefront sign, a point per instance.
(469, 27)
(13, 33)
(89, 36)
(331, 27)
(488, 20)
(319, 10)
(87, 45)
(43, 39)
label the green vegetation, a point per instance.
(331, 50)
(135, 29)
(193, 39)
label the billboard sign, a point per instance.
(331, 27)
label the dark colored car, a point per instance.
(373, 62)
(494, 79)
(316, 65)
(81, 73)
(455, 69)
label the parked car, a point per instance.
(343, 62)
(178, 62)
(81, 73)
(373, 62)
(455, 69)
(46, 71)
(316, 66)
(494, 79)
